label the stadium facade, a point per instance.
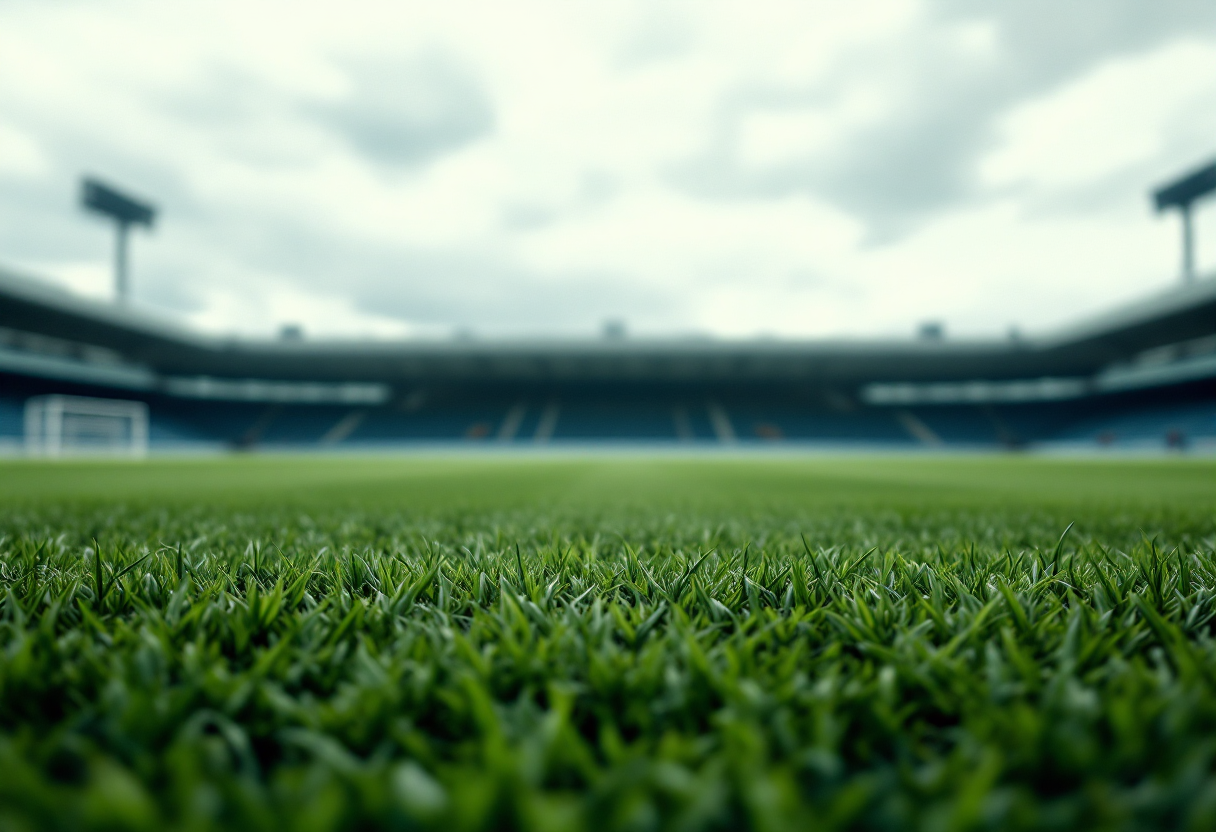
(1141, 376)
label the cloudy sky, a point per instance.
(741, 168)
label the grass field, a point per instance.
(598, 643)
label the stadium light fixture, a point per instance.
(1182, 194)
(126, 211)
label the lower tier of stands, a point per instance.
(1179, 416)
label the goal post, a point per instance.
(64, 425)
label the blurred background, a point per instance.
(884, 224)
(385, 169)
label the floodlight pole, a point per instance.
(1182, 194)
(1188, 243)
(125, 211)
(121, 284)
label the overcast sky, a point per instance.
(734, 168)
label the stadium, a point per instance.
(363, 579)
(1142, 376)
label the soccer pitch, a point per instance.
(603, 642)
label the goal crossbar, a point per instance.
(58, 425)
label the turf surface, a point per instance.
(832, 643)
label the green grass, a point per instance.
(496, 643)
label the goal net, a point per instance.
(60, 425)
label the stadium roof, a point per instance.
(156, 348)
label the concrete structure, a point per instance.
(1162, 348)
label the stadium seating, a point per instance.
(1179, 418)
(1175, 425)
(12, 421)
(1143, 376)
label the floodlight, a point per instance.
(126, 211)
(1181, 194)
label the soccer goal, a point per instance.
(61, 425)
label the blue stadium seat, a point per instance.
(12, 417)
(1176, 424)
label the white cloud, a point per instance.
(771, 139)
(277, 304)
(393, 168)
(20, 155)
(1118, 115)
(90, 279)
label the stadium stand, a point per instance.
(1143, 376)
